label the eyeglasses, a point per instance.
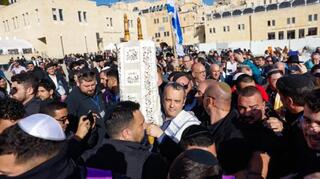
(201, 72)
(63, 119)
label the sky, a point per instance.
(112, 1)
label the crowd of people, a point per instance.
(226, 114)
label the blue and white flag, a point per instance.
(175, 21)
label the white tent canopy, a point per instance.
(14, 44)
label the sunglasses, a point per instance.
(13, 90)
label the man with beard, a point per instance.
(262, 134)
(84, 99)
(24, 89)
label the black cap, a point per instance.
(238, 51)
(194, 131)
(50, 64)
(201, 156)
(294, 59)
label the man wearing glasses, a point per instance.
(199, 73)
(187, 63)
(85, 98)
(58, 110)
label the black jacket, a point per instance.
(32, 106)
(227, 138)
(80, 104)
(128, 159)
(58, 167)
(60, 80)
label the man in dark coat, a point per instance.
(62, 88)
(123, 153)
(85, 98)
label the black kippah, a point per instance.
(201, 156)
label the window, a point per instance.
(79, 16)
(84, 16)
(271, 23)
(226, 28)
(301, 33)
(291, 34)
(239, 27)
(281, 35)
(166, 34)
(291, 20)
(61, 14)
(214, 30)
(271, 35)
(242, 26)
(54, 14)
(312, 17)
(210, 30)
(312, 31)
(109, 21)
(157, 35)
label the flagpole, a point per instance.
(173, 35)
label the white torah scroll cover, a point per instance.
(138, 77)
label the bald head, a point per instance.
(221, 92)
(215, 71)
(199, 72)
(217, 100)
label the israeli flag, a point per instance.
(175, 21)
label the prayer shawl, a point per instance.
(179, 124)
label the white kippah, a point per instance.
(42, 126)
(105, 68)
(235, 77)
